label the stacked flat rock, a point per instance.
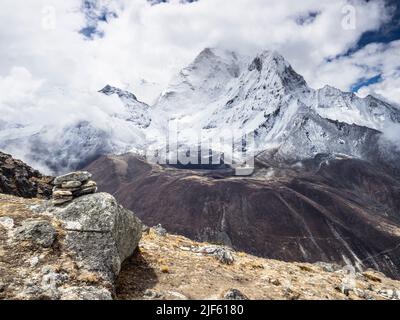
(72, 185)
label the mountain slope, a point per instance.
(327, 209)
(171, 267)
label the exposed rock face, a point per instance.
(72, 185)
(19, 179)
(100, 232)
(70, 252)
(335, 210)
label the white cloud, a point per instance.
(50, 73)
(391, 133)
(373, 60)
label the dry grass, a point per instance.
(198, 276)
(166, 266)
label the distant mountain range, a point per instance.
(220, 90)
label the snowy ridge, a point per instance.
(220, 90)
(266, 96)
(135, 111)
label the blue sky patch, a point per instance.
(366, 82)
(94, 14)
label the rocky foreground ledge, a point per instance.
(82, 245)
(64, 249)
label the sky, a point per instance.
(55, 55)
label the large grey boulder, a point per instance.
(100, 232)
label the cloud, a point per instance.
(50, 70)
(391, 133)
(154, 41)
(55, 55)
(377, 61)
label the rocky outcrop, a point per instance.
(70, 251)
(101, 233)
(19, 179)
(72, 185)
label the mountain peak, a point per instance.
(110, 90)
(136, 112)
(268, 57)
(270, 62)
(217, 53)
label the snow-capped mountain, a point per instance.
(135, 111)
(222, 90)
(59, 148)
(219, 91)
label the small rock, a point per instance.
(58, 202)
(89, 184)
(80, 176)
(38, 231)
(160, 230)
(173, 295)
(363, 294)
(151, 294)
(33, 262)
(290, 294)
(71, 184)
(145, 229)
(85, 191)
(276, 282)
(55, 189)
(224, 255)
(234, 294)
(372, 276)
(328, 267)
(85, 293)
(390, 294)
(61, 194)
(7, 222)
